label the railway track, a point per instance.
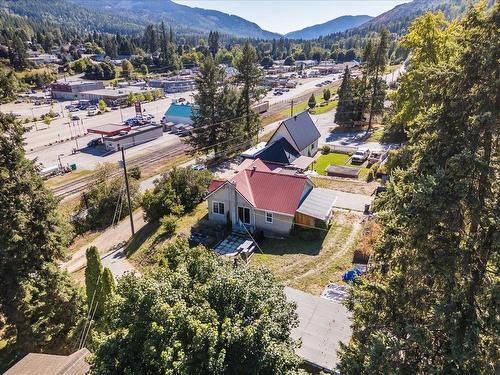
(151, 159)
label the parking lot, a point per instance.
(51, 143)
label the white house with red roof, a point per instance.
(259, 197)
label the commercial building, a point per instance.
(174, 84)
(44, 58)
(112, 96)
(179, 113)
(73, 90)
(133, 137)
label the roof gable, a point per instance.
(302, 129)
(280, 151)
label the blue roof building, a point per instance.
(179, 114)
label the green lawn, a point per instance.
(334, 158)
(330, 159)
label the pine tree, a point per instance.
(430, 302)
(34, 292)
(377, 63)
(213, 42)
(249, 76)
(312, 101)
(344, 112)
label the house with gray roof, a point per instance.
(300, 132)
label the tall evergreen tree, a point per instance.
(344, 111)
(249, 76)
(35, 297)
(377, 63)
(99, 282)
(430, 304)
(213, 42)
(209, 111)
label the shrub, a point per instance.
(325, 150)
(369, 175)
(169, 224)
(178, 190)
(135, 172)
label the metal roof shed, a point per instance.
(318, 204)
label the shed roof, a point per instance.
(318, 203)
(47, 364)
(302, 129)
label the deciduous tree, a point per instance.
(197, 314)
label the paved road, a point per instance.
(323, 324)
(117, 262)
(106, 241)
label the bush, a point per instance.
(169, 225)
(325, 150)
(178, 190)
(370, 176)
(135, 172)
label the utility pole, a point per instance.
(291, 108)
(128, 192)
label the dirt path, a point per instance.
(106, 241)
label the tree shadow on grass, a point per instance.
(300, 241)
(140, 237)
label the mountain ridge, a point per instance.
(335, 25)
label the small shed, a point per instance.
(316, 206)
(341, 171)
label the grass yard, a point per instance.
(339, 159)
(332, 158)
(310, 260)
(146, 247)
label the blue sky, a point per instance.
(283, 16)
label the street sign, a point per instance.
(138, 110)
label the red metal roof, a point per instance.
(265, 189)
(214, 185)
(109, 129)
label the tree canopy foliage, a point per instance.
(196, 314)
(430, 302)
(177, 191)
(38, 300)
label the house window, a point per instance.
(269, 217)
(218, 208)
(244, 215)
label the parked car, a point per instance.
(377, 156)
(75, 118)
(94, 142)
(198, 167)
(360, 156)
(180, 100)
(93, 112)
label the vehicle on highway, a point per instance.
(75, 118)
(93, 112)
(114, 108)
(94, 142)
(360, 156)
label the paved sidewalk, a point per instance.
(117, 262)
(106, 241)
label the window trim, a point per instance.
(249, 215)
(266, 217)
(218, 208)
